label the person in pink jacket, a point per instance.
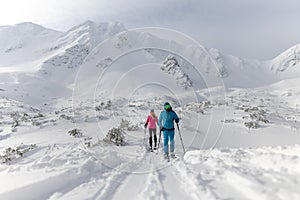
(151, 123)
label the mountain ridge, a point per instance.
(56, 57)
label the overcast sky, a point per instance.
(247, 28)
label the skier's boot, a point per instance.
(150, 144)
(172, 154)
(155, 142)
(167, 156)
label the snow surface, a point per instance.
(49, 85)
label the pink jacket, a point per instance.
(151, 121)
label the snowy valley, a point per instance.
(62, 92)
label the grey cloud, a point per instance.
(246, 28)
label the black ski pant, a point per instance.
(152, 136)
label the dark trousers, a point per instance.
(152, 136)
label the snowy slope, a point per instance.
(237, 72)
(59, 54)
(287, 64)
(63, 167)
(54, 82)
(23, 46)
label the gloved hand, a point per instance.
(177, 121)
(162, 129)
(146, 124)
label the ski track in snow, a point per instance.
(68, 170)
(191, 183)
(74, 173)
(116, 178)
(154, 188)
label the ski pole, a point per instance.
(145, 130)
(159, 138)
(181, 139)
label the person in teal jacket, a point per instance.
(166, 123)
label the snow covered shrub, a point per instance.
(39, 115)
(77, 133)
(12, 153)
(127, 125)
(66, 117)
(250, 109)
(228, 121)
(115, 136)
(240, 107)
(293, 127)
(251, 124)
(196, 107)
(104, 63)
(104, 105)
(36, 123)
(122, 42)
(25, 117)
(102, 117)
(41, 123)
(256, 115)
(15, 115)
(98, 108)
(87, 141)
(259, 117)
(207, 104)
(15, 123)
(15, 119)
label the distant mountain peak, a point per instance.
(94, 25)
(287, 59)
(28, 24)
(29, 27)
(91, 33)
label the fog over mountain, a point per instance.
(249, 29)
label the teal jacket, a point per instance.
(166, 119)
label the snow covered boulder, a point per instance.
(127, 125)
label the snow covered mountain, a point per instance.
(74, 45)
(171, 66)
(62, 92)
(24, 45)
(287, 64)
(47, 56)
